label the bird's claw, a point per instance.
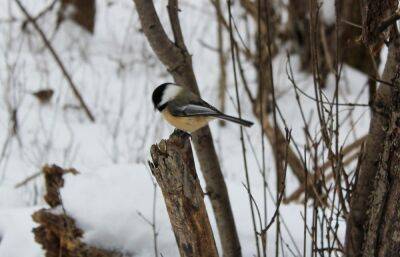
(182, 133)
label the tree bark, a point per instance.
(371, 233)
(177, 60)
(174, 169)
(375, 157)
(373, 13)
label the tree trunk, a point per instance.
(176, 58)
(373, 232)
(174, 169)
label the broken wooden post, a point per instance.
(174, 169)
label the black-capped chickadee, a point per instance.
(187, 111)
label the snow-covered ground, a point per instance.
(116, 72)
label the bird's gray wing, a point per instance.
(204, 109)
(193, 110)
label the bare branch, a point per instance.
(173, 10)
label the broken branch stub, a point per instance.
(174, 169)
(53, 176)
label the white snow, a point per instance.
(328, 12)
(16, 238)
(113, 197)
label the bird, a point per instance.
(185, 110)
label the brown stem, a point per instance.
(222, 82)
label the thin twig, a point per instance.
(241, 128)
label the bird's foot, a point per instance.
(181, 133)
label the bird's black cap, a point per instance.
(157, 96)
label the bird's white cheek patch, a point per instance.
(170, 93)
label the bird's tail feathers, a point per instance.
(242, 122)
